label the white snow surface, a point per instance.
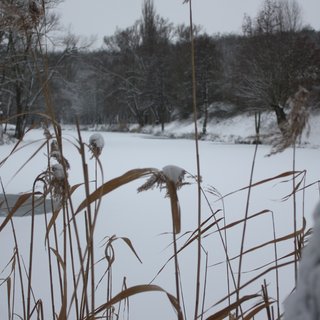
(304, 303)
(146, 220)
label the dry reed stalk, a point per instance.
(90, 221)
(266, 299)
(245, 225)
(294, 214)
(48, 136)
(276, 264)
(29, 287)
(195, 118)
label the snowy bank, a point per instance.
(236, 129)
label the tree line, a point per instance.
(143, 73)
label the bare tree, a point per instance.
(24, 27)
(140, 66)
(275, 58)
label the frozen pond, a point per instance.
(145, 217)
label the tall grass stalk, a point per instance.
(90, 219)
(276, 264)
(224, 239)
(31, 256)
(196, 137)
(245, 221)
(295, 213)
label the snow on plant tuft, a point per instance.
(159, 178)
(56, 154)
(58, 172)
(174, 173)
(96, 143)
(304, 302)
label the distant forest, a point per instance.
(143, 74)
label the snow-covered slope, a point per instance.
(236, 129)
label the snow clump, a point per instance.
(58, 172)
(174, 174)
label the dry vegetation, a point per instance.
(71, 250)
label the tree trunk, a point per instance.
(20, 118)
(281, 117)
(162, 115)
(205, 113)
(205, 119)
(1, 129)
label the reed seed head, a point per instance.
(58, 182)
(296, 123)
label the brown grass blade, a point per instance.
(175, 206)
(280, 239)
(296, 187)
(75, 187)
(109, 254)
(201, 232)
(256, 309)
(9, 295)
(38, 307)
(63, 313)
(191, 239)
(57, 254)
(52, 221)
(114, 184)
(21, 200)
(285, 264)
(12, 261)
(193, 233)
(133, 291)
(29, 159)
(15, 148)
(129, 244)
(63, 309)
(222, 314)
(232, 224)
(279, 176)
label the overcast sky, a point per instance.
(102, 17)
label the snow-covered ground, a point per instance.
(145, 217)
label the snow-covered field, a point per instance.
(145, 217)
